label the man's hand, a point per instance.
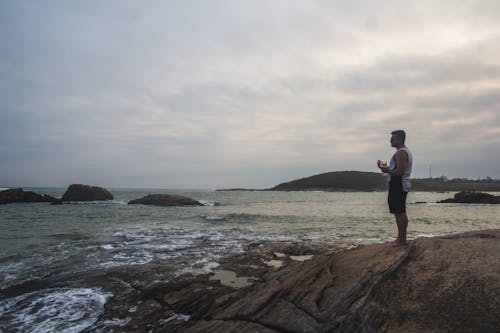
(382, 166)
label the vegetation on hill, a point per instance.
(372, 181)
(337, 181)
(455, 185)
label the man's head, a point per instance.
(398, 138)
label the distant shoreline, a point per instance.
(359, 181)
(339, 181)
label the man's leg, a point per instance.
(402, 223)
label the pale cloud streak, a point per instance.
(243, 93)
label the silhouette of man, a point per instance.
(398, 170)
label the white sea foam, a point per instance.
(132, 236)
(207, 203)
(165, 256)
(64, 310)
(107, 247)
(117, 322)
(21, 271)
(176, 316)
(214, 218)
(179, 244)
(128, 258)
(117, 202)
(8, 278)
(203, 266)
(7, 271)
(368, 240)
(424, 235)
(97, 202)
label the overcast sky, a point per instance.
(211, 94)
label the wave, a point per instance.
(214, 218)
(203, 266)
(208, 203)
(53, 310)
(246, 218)
(98, 202)
(127, 247)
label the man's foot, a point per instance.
(397, 242)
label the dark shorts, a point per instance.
(397, 197)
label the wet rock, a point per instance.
(19, 195)
(473, 197)
(165, 200)
(442, 284)
(79, 192)
(432, 285)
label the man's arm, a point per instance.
(401, 164)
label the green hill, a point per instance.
(337, 181)
(371, 181)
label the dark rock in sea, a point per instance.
(473, 197)
(19, 195)
(165, 200)
(79, 192)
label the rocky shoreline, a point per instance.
(441, 284)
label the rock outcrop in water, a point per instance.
(165, 200)
(473, 197)
(19, 195)
(79, 192)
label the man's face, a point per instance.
(394, 140)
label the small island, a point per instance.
(360, 181)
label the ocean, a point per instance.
(39, 240)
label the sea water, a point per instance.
(39, 239)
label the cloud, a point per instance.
(227, 93)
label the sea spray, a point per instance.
(64, 310)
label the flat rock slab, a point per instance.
(165, 200)
(443, 284)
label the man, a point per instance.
(398, 171)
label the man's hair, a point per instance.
(400, 134)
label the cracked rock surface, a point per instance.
(440, 284)
(443, 284)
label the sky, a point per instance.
(236, 93)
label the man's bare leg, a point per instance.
(402, 224)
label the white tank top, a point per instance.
(406, 175)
